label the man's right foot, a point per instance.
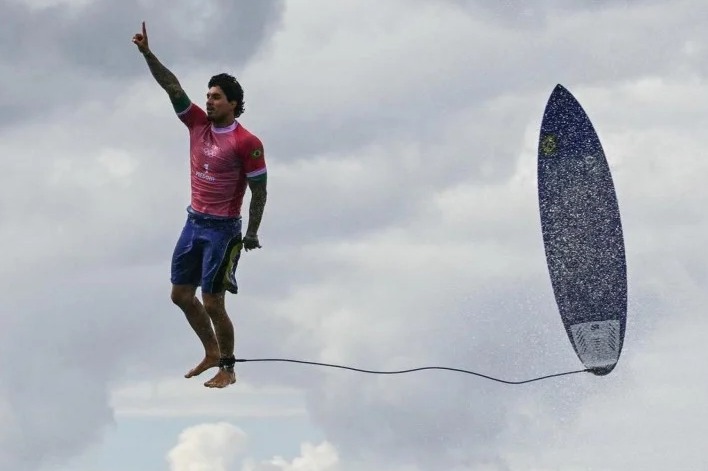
(207, 362)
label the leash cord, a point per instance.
(458, 370)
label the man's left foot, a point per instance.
(225, 376)
(222, 379)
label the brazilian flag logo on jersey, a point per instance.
(257, 153)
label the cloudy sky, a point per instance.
(401, 230)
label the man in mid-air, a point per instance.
(225, 158)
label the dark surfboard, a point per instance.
(582, 233)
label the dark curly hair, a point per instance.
(232, 89)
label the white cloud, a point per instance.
(322, 457)
(220, 446)
(207, 447)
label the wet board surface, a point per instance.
(582, 233)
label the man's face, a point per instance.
(218, 107)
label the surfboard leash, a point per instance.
(395, 372)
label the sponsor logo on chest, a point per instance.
(212, 160)
(204, 175)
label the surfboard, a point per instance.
(582, 233)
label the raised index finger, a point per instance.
(144, 32)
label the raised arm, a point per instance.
(166, 79)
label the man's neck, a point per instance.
(223, 124)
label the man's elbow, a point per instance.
(258, 186)
(259, 191)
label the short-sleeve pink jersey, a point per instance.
(221, 162)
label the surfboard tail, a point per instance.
(597, 343)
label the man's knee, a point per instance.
(214, 304)
(183, 295)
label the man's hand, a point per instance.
(162, 74)
(250, 242)
(141, 40)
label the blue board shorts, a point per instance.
(207, 253)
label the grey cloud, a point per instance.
(443, 420)
(45, 374)
(536, 14)
(446, 420)
(478, 146)
(185, 34)
(97, 36)
(64, 54)
(494, 60)
(83, 239)
(96, 255)
(61, 352)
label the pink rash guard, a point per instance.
(222, 160)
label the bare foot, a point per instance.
(223, 378)
(207, 362)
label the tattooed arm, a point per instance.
(259, 195)
(166, 79)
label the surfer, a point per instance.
(225, 158)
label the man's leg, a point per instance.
(216, 310)
(184, 296)
(220, 260)
(186, 274)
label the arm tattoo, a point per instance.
(167, 80)
(259, 195)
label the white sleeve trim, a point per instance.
(256, 173)
(186, 110)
